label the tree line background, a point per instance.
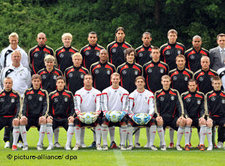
(55, 17)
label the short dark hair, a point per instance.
(92, 33)
(139, 77)
(216, 78)
(120, 28)
(61, 78)
(220, 35)
(36, 76)
(192, 80)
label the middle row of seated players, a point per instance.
(167, 105)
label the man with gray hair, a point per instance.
(5, 57)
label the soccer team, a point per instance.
(174, 88)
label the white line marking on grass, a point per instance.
(120, 160)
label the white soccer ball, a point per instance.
(115, 116)
(141, 118)
(88, 117)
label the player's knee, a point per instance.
(209, 123)
(159, 122)
(202, 122)
(42, 120)
(188, 122)
(123, 124)
(16, 122)
(23, 121)
(104, 124)
(49, 120)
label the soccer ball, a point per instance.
(115, 116)
(141, 118)
(88, 117)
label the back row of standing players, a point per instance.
(146, 60)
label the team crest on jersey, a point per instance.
(56, 100)
(108, 72)
(178, 52)
(213, 98)
(223, 101)
(82, 76)
(198, 102)
(87, 53)
(29, 97)
(71, 75)
(192, 57)
(97, 53)
(96, 71)
(162, 71)
(140, 54)
(149, 70)
(185, 78)
(61, 55)
(66, 99)
(172, 97)
(36, 55)
(13, 100)
(167, 52)
(124, 72)
(43, 77)
(54, 77)
(161, 98)
(2, 100)
(40, 98)
(175, 78)
(188, 100)
(201, 79)
(113, 50)
(136, 72)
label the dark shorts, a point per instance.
(6, 122)
(220, 121)
(172, 122)
(33, 121)
(110, 124)
(133, 124)
(195, 122)
(77, 122)
(60, 122)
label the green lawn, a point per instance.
(92, 157)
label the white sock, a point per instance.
(23, 132)
(98, 135)
(202, 134)
(180, 133)
(137, 135)
(41, 134)
(112, 133)
(130, 134)
(148, 135)
(209, 136)
(190, 136)
(94, 134)
(187, 134)
(70, 132)
(161, 135)
(152, 132)
(16, 133)
(104, 134)
(56, 135)
(171, 131)
(49, 132)
(82, 132)
(77, 134)
(123, 134)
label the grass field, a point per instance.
(87, 156)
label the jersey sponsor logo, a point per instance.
(167, 52)
(96, 71)
(223, 101)
(178, 52)
(188, 100)
(201, 79)
(2, 100)
(108, 72)
(61, 55)
(175, 78)
(56, 100)
(70, 75)
(43, 77)
(36, 55)
(213, 98)
(140, 54)
(113, 50)
(186, 78)
(29, 97)
(162, 71)
(136, 72)
(87, 53)
(40, 98)
(66, 99)
(97, 53)
(161, 98)
(172, 98)
(13, 100)
(82, 76)
(54, 77)
(124, 72)
(192, 57)
(198, 102)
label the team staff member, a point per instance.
(144, 51)
(181, 75)
(5, 56)
(215, 106)
(75, 74)
(9, 109)
(61, 112)
(64, 53)
(129, 70)
(38, 53)
(117, 47)
(193, 55)
(154, 70)
(205, 75)
(49, 74)
(91, 51)
(170, 50)
(34, 110)
(194, 103)
(169, 110)
(101, 71)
